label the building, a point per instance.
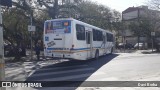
(137, 15)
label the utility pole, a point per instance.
(152, 36)
(31, 38)
(2, 62)
(139, 27)
(123, 35)
(31, 32)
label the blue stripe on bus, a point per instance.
(80, 48)
(54, 48)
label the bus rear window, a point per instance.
(58, 27)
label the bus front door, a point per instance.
(89, 44)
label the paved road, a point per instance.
(116, 67)
(70, 70)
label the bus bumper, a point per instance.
(66, 56)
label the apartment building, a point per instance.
(137, 15)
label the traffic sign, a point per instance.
(31, 28)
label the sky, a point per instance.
(121, 5)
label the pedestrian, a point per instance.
(17, 51)
(37, 50)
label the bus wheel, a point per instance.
(111, 51)
(97, 54)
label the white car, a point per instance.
(141, 46)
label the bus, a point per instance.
(73, 39)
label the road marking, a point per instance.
(65, 67)
(15, 70)
(61, 72)
(27, 62)
(67, 77)
(45, 64)
(15, 74)
(29, 67)
(28, 71)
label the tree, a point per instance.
(154, 17)
(154, 4)
(141, 29)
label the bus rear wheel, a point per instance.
(97, 54)
(111, 51)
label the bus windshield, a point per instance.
(57, 27)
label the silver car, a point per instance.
(141, 46)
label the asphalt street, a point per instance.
(116, 67)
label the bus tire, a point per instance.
(97, 54)
(111, 51)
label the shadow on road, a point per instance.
(73, 71)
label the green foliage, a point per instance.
(142, 28)
(14, 23)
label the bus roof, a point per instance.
(79, 22)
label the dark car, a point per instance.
(8, 50)
(129, 46)
(126, 46)
(120, 45)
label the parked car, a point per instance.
(126, 46)
(129, 46)
(141, 46)
(8, 50)
(120, 45)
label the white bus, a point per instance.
(73, 39)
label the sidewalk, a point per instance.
(149, 51)
(137, 53)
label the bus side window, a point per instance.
(94, 35)
(80, 32)
(109, 37)
(100, 35)
(97, 35)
